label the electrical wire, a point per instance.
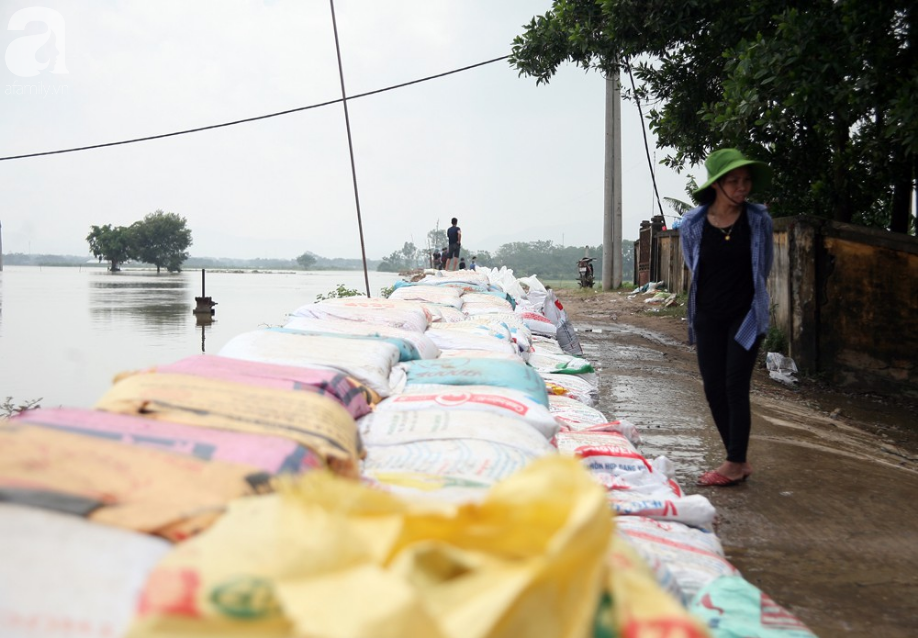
(255, 118)
(653, 176)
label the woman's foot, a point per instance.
(727, 474)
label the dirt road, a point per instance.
(828, 524)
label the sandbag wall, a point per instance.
(430, 464)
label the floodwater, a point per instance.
(65, 332)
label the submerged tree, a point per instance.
(161, 239)
(114, 245)
(306, 260)
(824, 91)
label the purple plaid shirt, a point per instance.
(756, 321)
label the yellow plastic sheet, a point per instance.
(328, 557)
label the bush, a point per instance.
(339, 292)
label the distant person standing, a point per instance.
(454, 236)
(435, 258)
(443, 258)
(462, 263)
(473, 265)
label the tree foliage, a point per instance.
(161, 239)
(110, 244)
(826, 91)
(400, 260)
(306, 260)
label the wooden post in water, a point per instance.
(204, 305)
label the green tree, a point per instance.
(306, 260)
(399, 260)
(161, 239)
(114, 245)
(825, 91)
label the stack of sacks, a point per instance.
(92, 499)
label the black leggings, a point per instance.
(726, 370)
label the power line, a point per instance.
(257, 117)
(653, 176)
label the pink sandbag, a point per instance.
(273, 454)
(347, 391)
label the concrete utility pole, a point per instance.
(612, 205)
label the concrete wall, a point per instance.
(847, 299)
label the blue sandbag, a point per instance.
(475, 371)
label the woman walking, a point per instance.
(727, 245)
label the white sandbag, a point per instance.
(61, 575)
(424, 345)
(504, 402)
(437, 277)
(564, 364)
(573, 443)
(500, 303)
(694, 557)
(430, 294)
(443, 315)
(542, 343)
(478, 460)
(536, 293)
(400, 314)
(482, 354)
(394, 427)
(661, 572)
(575, 414)
(539, 324)
(476, 337)
(695, 510)
(477, 308)
(504, 279)
(370, 362)
(629, 431)
(519, 333)
(570, 385)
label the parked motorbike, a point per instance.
(585, 268)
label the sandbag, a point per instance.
(694, 557)
(732, 606)
(397, 313)
(425, 346)
(370, 362)
(575, 414)
(458, 372)
(524, 562)
(445, 295)
(479, 460)
(477, 337)
(640, 606)
(272, 454)
(317, 422)
(63, 576)
(492, 399)
(140, 488)
(355, 397)
(397, 428)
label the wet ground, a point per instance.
(828, 523)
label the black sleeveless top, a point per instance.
(725, 288)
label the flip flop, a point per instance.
(713, 478)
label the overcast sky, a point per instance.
(513, 161)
